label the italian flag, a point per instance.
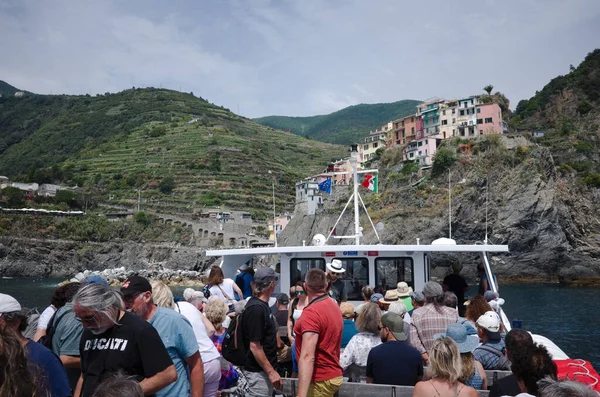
(370, 182)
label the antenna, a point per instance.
(486, 209)
(449, 207)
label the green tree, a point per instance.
(13, 195)
(488, 88)
(167, 185)
(142, 218)
(65, 196)
(442, 160)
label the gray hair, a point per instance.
(398, 307)
(549, 387)
(101, 299)
(119, 386)
(450, 299)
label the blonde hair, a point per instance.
(215, 311)
(444, 360)
(162, 295)
(468, 366)
(368, 319)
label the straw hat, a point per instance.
(403, 289)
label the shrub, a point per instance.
(167, 185)
(13, 195)
(142, 218)
(442, 160)
(592, 180)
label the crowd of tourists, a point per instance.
(139, 340)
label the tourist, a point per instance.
(451, 300)
(115, 341)
(549, 387)
(394, 362)
(176, 334)
(417, 299)
(404, 291)
(281, 313)
(400, 309)
(119, 386)
(16, 376)
(52, 375)
(390, 296)
(348, 316)
(59, 298)
(335, 271)
(357, 350)
(244, 281)
(216, 312)
(196, 298)
(517, 342)
(494, 300)
(532, 366)
(455, 283)
(484, 283)
(203, 329)
(66, 335)
(366, 293)
(472, 373)
(477, 307)
(319, 337)
(492, 351)
(260, 330)
(431, 319)
(445, 367)
(223, 287)
(296, 308)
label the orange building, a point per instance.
(405, 130)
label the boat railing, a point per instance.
(290, 388)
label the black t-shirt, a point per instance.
(281, 316)
(506, 386)
(259, 326)
(133, 347)
(394, 363)
(457, 284)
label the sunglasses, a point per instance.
(86, 319)
(299, 292)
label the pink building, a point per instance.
(421, 150)
(489, 119)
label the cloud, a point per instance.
(295, 57)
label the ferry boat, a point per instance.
(371, 264)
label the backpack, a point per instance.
(235, 348)
(206, 290)
(504, 363)
(46, 340)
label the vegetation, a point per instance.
(180, 150)
(488, 88)
(442, 160)
(345, 126)
(7, 90)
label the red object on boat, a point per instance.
(579, 370)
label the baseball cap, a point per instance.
(375, 297)
(134, 285)
(417, 296)
(490, 322)
(490, 295)
(8, 304)
(265, 275)
(395, 324)
(283, 299)
(95, 280)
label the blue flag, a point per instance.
(325, 186)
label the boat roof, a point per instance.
(376, 247)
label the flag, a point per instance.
(370, 182)
(325, 186)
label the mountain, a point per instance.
(7, 90)
(177, 151)
(345, 126)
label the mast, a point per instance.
(354, 163)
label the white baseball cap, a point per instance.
(8, 304)
(490, 321)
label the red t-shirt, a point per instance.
(324, 318)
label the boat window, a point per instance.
(355, 277)
(300, 266)
(390, 271)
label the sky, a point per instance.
(295, 57)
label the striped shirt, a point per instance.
(427, 321)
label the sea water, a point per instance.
(564, 315)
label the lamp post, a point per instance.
(274, 216)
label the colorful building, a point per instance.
(429, 114)
(421, 150)
(489, 119)
(405, 130)
(467, 119)
(448, 117)
(376, 140)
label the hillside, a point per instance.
(345, 126)
(181, 152)
(7, 90)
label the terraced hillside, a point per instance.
(178, 152)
